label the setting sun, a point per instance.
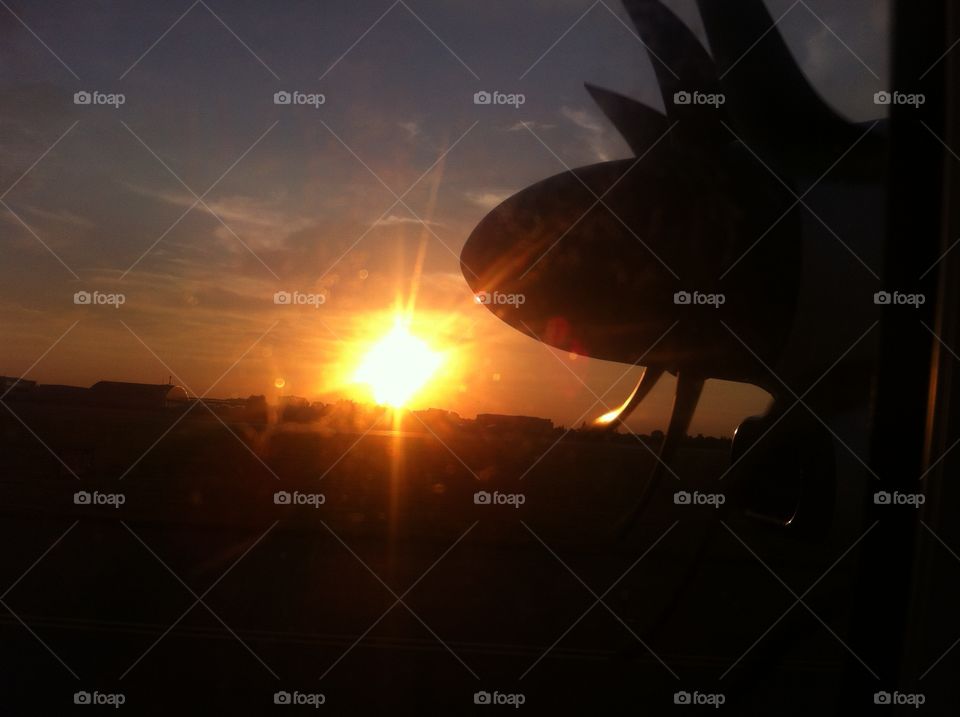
(397, 366)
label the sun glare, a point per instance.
(397, 366)
(610, 416)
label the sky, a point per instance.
(199, 198)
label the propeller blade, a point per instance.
(683, 67)
(639, 125)
(769, 97)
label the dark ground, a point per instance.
(297, 598)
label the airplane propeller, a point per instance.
(612, 256)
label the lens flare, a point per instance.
(397, 366)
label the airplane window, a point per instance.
(579, 356)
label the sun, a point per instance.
(397, 366)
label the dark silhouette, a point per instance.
(607, 255)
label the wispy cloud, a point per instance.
(581, 118)
(595, 132)
(535, 126)
(487, 199)
(64, 217)
(248, 210)
(412, 128)
(397, 220)
(260, 222)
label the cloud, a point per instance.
(595, 131)
(582, 119)
(64, 217)
(259, 222)
(33, 116)
(487, 199)
(412, 128)
(396, 220)
(523, 126)
(248, 210)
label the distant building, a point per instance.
(14, 389)
(54, 393)
(434, 418)
(499, 423)
(12, 384)
(120, 394)
(295, 408)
